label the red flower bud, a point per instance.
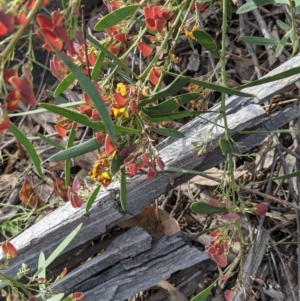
(9, 249)
(261, 209)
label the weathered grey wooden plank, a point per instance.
(132, 275)
(246, 142)
(47, 234)
(129, 244)
(261, 93)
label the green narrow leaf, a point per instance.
(229, 9)
(84, 120)
(42, 274)
(76, 151)
(62, 105)
(204, 208)
(284, 177)
(123, 130)
(207, 230)
(64, 84)
(167, 132)
(171, 89)
(41, 262)
(295, 45)
(123, 192)
(173, 116)
(60, 99)
(282, 43)
(297, 7)
(64, 3)
(183, 170)
(50, 142)
(258, 40)
(172, 104)
(213, 87)
(62, 246)
(225, 146)
(116, 60)
(28, 146)
(74, 116)
(56, 297)
(89, 88)
(115, 17)
(115, 165)
(68, 161)
(272, 78)
(92, 198)
(252, 4)
(283, 25)
(205, 40)
(97, 67)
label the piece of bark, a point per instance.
(129, 244)
(129, 276)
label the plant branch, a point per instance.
(16, 37)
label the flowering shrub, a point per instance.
(124, 103)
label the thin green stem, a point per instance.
(294, 37)
(11, 281)
(141, 34)
(166, 39)
(229, 164)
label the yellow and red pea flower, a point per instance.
(63, 125)
(121, 89)
(52, 30)
(12, 100)
(155, 74)
(100, 171)
(218, 249)
(109, 147)
(116, 33)
(118, 39)
(58, 68)
(145, 49)
(189, 34)
(176, 59)
(21, 19)
(7, 23)
(24, 88)
(156, 17)
(76, 50)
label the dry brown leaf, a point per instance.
(28, 196)
(174, 293)
(147, 219)
(60, 188)
(216, 173)
(11, 161)
(54, 166)
(169, 224)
